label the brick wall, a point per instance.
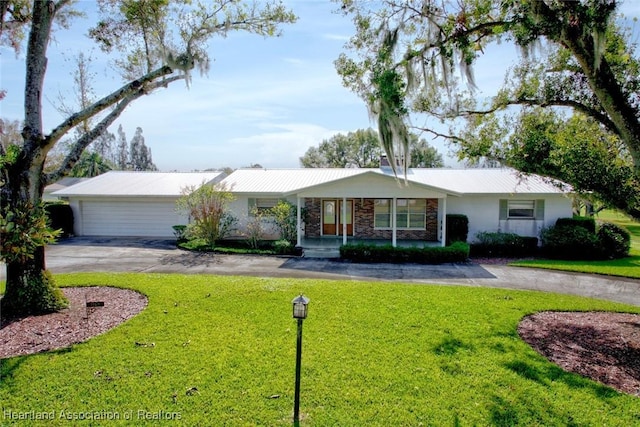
(363, 221)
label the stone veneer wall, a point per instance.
(363, 221)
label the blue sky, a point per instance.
(265, 100)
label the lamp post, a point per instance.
(299, 312)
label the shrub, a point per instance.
(283, 247)
(615, 241)
(255, 228)
(362, 252)
(60, 218)
(587, 223)
(180, 232)
(571, 242)
(285, 218)
(500, 244)
(207, 206)
(576, 238)
(457, 228)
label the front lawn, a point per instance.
(221, 351)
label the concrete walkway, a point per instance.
(161, 256)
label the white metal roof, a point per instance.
(453, 181)
(290, 181)
(487, 181)
(63, 183)
(281, 181)
(139, 184)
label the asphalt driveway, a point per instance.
(161, 256)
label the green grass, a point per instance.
(374, 354)
(626, 267)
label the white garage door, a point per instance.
(129, 219)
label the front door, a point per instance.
(333, 217)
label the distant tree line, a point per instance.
(108, 153)
(362, 149)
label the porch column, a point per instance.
(393, 222)
(443, 241)
(299, 224)
(344, 220)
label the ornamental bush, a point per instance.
(615, 241)
(283, 247)
(575, 239)
(570, 242)
(208, 209)
(457, 228)
(285, 217)
(586, 222)
(499, 244)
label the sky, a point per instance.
(264, 101)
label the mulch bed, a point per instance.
(602, 346)
(73, 325)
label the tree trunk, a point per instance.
(30, 289)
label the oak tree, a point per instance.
(406, 54)
(155, 43)
(361, 149)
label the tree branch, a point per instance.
(106, 102)
(438, 134)
(81, 144)
(481, 29)
(597, 115)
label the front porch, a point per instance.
(329, 246)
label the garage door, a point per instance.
(129, 219)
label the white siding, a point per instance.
(484, 213)
(240, 209)
(126, 218)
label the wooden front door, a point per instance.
(333, 218)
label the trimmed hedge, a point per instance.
(571, 243)
(457, 228)
(506, 245)
(571, 240)
(585, 222)
(370, 253)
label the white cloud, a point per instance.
(280, 145)
(337, 37)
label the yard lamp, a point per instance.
(299, 312)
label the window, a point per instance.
(382, 213)
(522, 209)
(410, 213)
(262, 204)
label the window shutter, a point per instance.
(540, 209)
(503, 209)
(252, 205)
